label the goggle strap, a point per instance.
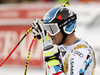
(72, 18)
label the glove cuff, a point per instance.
(53, 62)
(47, 38)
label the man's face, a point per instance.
(56, 39)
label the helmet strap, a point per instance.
(68, 20)
(63, 40)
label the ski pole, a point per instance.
(28, 56)
(15, 46)
(65, 4)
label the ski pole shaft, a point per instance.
(16, 46)
(65, 4)
(28, 56)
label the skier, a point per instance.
(64, 53)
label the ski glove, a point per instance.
(38, 30)
(51, 54)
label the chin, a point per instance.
(55, 43)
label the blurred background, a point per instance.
(16, 17)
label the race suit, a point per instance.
(76, 59)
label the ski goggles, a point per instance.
(51, 28)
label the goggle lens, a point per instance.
(52, 28)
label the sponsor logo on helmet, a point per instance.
(59, 17)
(68, 20)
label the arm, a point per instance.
(40, 32)
(51, 54)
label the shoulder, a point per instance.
(82, 49)
(81, 45)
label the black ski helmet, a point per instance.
(64, 17)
